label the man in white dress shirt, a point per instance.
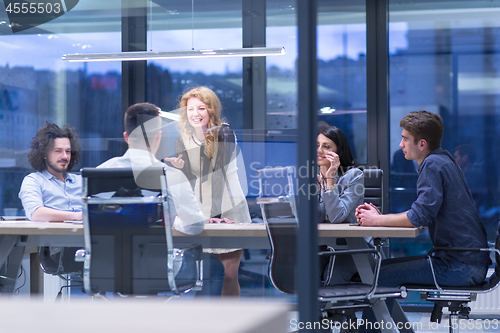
(143, 135)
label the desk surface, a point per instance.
(39, 228)
(213, 230)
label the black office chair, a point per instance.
(456, 299)
(61, 262)
(279, 212)
(374, 187)
(129, 248)
(374, 193)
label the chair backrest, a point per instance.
(128, 248)
(60, 261)
(277, 201)
(374, 187)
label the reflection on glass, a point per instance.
(445, 59)
(168, 79)
(36, 85)
(342, 74)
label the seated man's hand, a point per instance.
(177, 162)
(222, 220)
(367, 214)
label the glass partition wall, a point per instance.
(342, 84)
(259, 95)
(444, 58)
(37, 86)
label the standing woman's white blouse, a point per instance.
(215, 181)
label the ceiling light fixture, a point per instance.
(188, 54)
(327, 110)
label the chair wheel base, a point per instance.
(437, 313)
(457, 309)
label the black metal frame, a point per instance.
(307, 238)
(456, 299)
(377, 80)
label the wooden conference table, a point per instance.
(16, 235)
(248, 236)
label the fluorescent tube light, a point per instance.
(150, 55)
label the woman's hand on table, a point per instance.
(222, 220)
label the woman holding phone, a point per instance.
(341, 190)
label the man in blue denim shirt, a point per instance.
(444, 205)
(52, 194)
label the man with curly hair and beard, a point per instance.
(51, 193)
